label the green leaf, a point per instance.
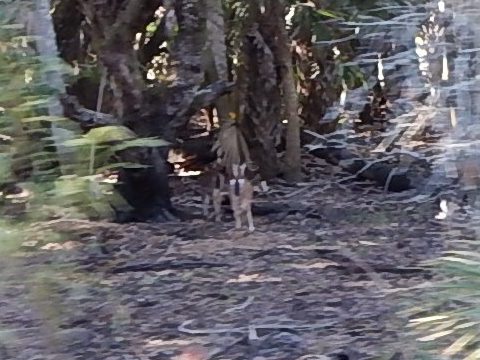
(124, 165)
(144, 142)
(328, 14)
(4, 168)
(151, 28)
(110, 133)
(43, 118)
(31, 104)
(460, 260)
(12, 27)
(78, 142)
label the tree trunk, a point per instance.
(47, 49)
(161, 110)
(145, 189)
(259, 99)
(292, 169)
(186, 64)
(216, 67)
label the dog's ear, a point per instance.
(242, 169)
(235, 171)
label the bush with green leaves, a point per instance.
(29, 146)
(448, 321)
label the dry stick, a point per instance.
(314, 134)
(101, 90)
(241, 306)
(389, 179)
(246, 329)
(91, 161)
(306, 187)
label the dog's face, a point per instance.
(239, 186)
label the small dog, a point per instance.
(241, 196)
(217, 184)
(213, 185)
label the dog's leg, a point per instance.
(206, 204)
(217, 204)
(251, 227)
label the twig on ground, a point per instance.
(302, 189)
(241, 306)
(246, 329)
(365, 168)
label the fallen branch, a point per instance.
(87, 118)
(202, 98)
(241, 306)
(376, 170)
(248, 329)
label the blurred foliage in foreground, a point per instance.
(448, 322)
(35, 182)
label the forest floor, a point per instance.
(324, 278)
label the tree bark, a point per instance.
(47, 48)
(216, 67)
(292, 169)
(258, 93)
(186, 64)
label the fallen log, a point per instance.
(383, 174)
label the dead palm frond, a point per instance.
(231, 146)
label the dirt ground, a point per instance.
(322, 277)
